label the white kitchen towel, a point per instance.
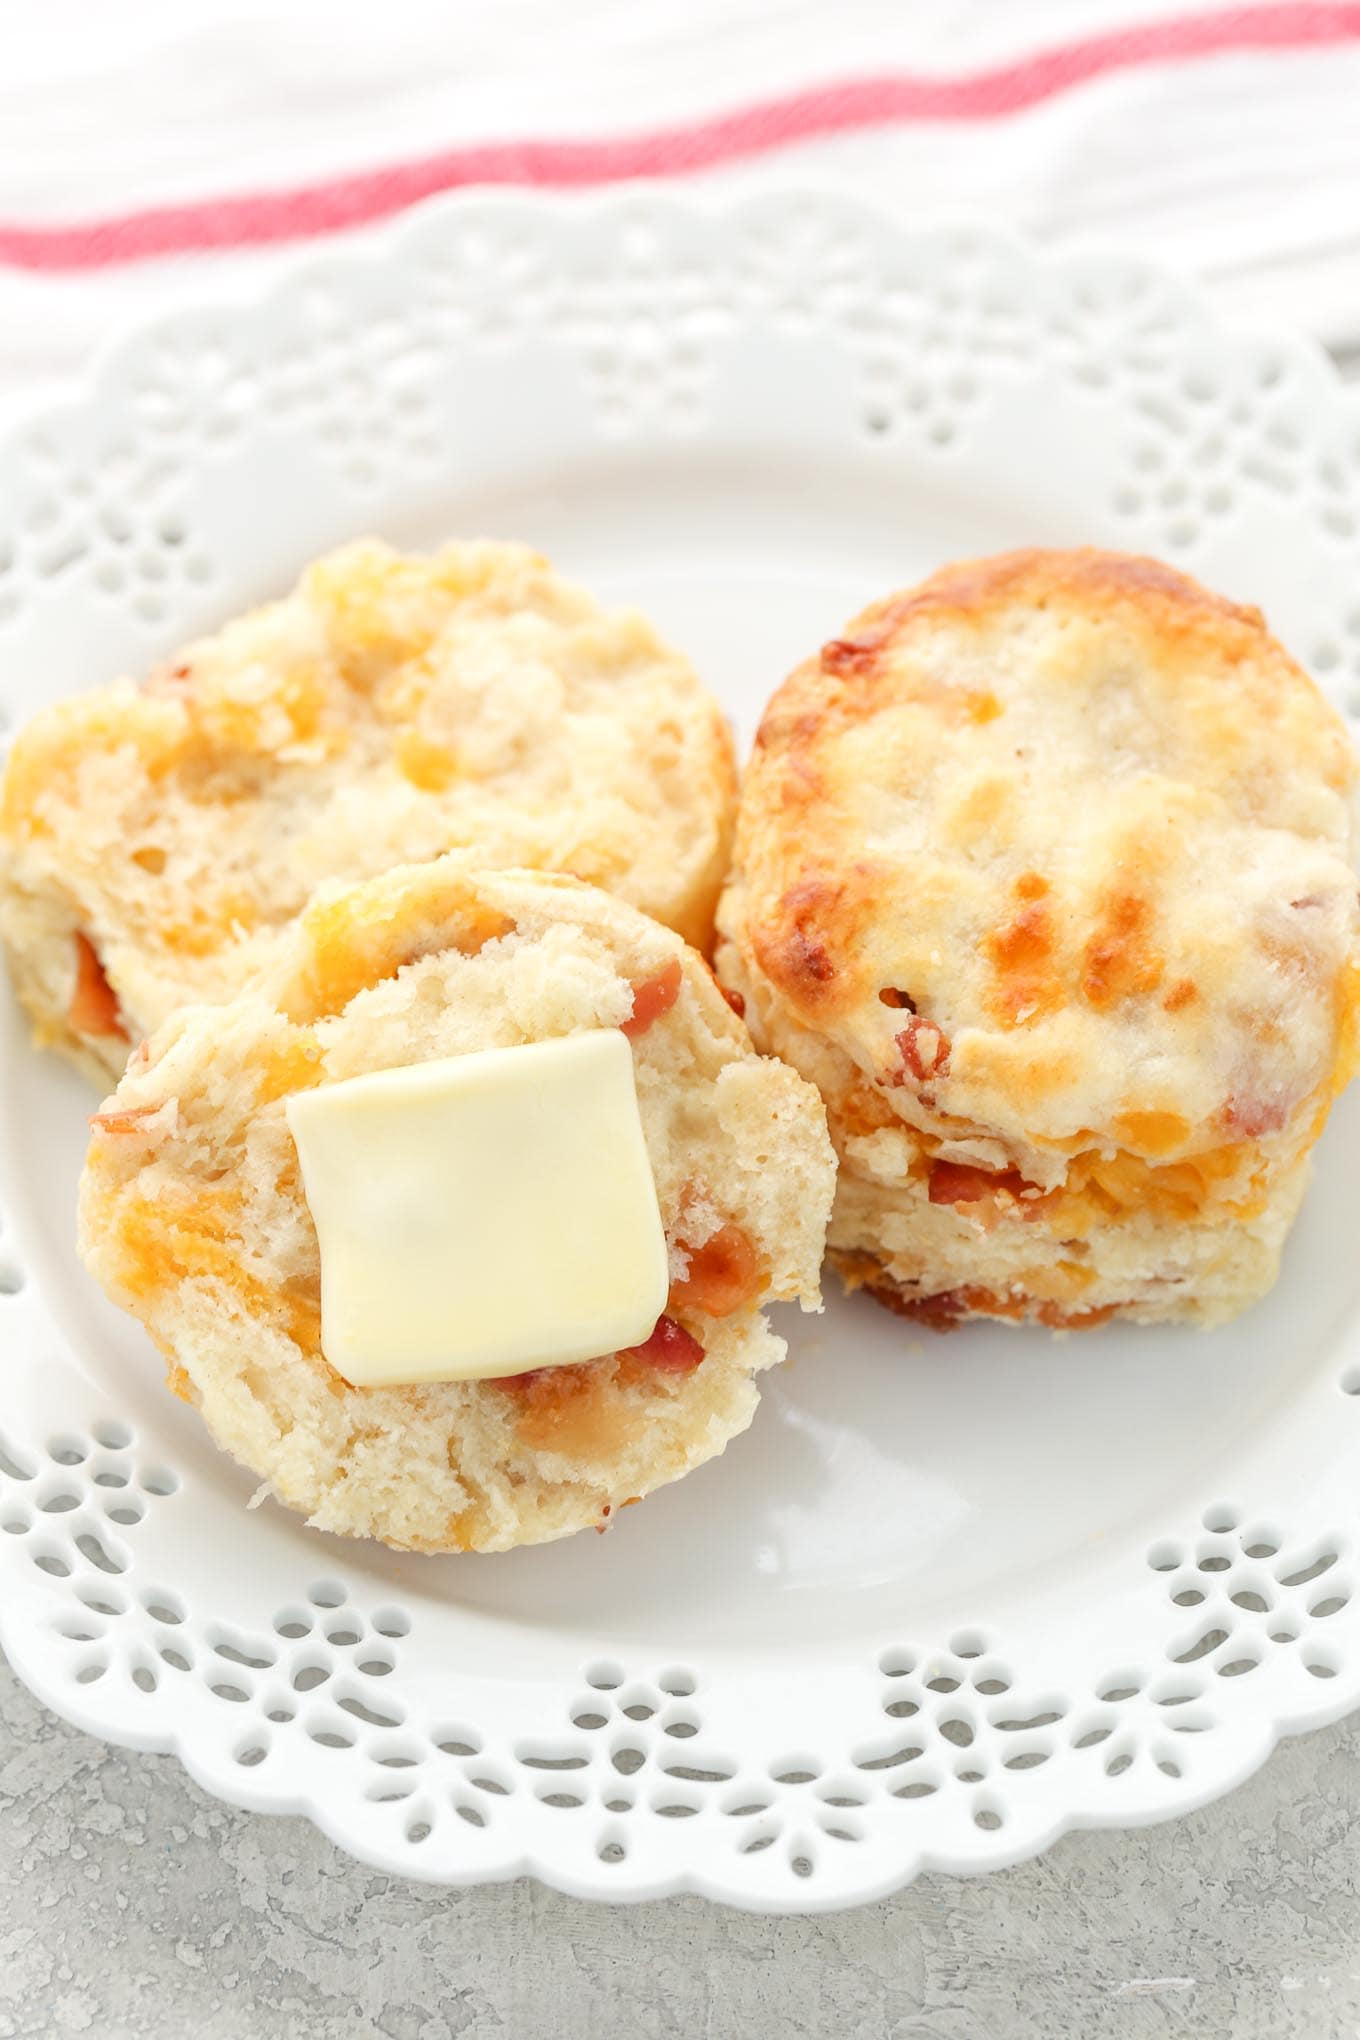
(156, 149)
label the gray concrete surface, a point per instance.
(132, 1905)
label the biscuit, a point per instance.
(156, 839)
(193, 1215)
(1045, 875)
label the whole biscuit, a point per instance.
(1045, 874)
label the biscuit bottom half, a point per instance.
(195, 1215)
(1194, 1242)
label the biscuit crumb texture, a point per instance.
(193, 1215)
(391, 708)
(1045, 875)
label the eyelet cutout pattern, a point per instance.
(950, 1737)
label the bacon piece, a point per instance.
(132, 1119)
(94, 1004)
(852, 658)
(962, 1183)
(1253, 1116)
(653, 997)
(669, 1350)
(924, 1049)
(734, 999)
(939, 1313)
(948, 1308)
(724, 1273)
(808, 963)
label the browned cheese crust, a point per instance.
(1045, 874)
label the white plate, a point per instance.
(949, 1596)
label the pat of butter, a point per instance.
(483, 1215)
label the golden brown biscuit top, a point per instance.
(1060, 842)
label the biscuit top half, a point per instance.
(390, 708)
(1059, 843)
